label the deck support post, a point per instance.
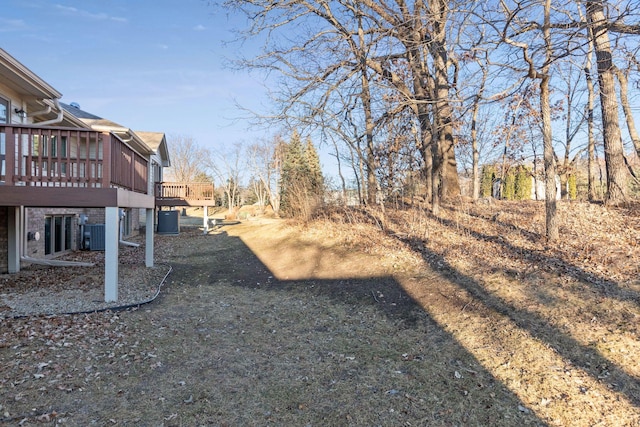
(149, 230)
(111, 237)
(205, 219)
(14, 236)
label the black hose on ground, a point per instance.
(101, 310)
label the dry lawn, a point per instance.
(466, 319)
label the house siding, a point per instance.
(36, 223)
(15, 102)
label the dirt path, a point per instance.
(263, 324)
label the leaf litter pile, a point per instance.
(360, 318)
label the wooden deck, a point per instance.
(57, 166)
(184, 194)
(32, 156)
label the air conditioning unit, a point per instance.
(168, 222)
(93, 237)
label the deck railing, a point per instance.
(128, 168)
(184, 190)
(63, 157)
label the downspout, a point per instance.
(40, 261)
(121, 237)
(58, 119)
(55, 262)
(41, 112)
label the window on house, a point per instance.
(58, 232)
(4, 111)
(4, 118)
(59, 148)
(67, 232)
(157, 172)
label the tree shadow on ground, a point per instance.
(440, 365)
(552, 264)
(585, 357)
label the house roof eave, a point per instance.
(23, 80)
(157, 142)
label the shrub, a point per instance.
(509, 186)
(572, 183)
(486, 180)
(523, 184)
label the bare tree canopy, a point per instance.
(187, 159)
(403, 89)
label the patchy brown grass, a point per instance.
(467, 319)
(557, 323)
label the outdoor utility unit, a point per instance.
(168, 222)
(93, 237)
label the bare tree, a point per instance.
(365, 40)
(617, 191)
(227, 168)
(187, 158)
(420, 32)
(339, 59)
(475, 177)
(574, 121)
(537, 67)
(591, 158)
(255, 159)
(545, 107)
(265, 162)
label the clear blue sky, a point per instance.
(150, 65)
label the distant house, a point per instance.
(538, 189)
(60, 166)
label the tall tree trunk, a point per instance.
(436, 172)
(363, 176)
(591, 143)
(445, 168)
(475, 174)
(475, 168)
(421, 29)
(626, 108)
(343, 183)
(549, 160)
(565, 171)
(365, 97)
(371, 158)
(613, 149)
(424, 147)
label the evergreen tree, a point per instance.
(294, 173)
(509, 186)
(301, 182)
(316, 180)
(486, 183)
(523, 183)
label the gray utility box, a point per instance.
(168, 222)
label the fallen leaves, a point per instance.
(220, 349)
(65, 354)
